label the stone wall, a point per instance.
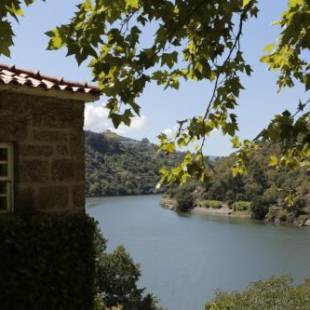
(48, 140)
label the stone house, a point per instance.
(41, 142)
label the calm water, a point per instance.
(184, 259)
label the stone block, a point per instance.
(78, 196)
(76, 143)
(63, 170)
(15, 104)
(24, 199)
(30, 150)
(49, 151)
(52, 197)
(49, 113)
(13, 130)
(33, 171)
(79, 165)
(49, 136)
(62, 150)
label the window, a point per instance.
(6, 177)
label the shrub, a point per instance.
(117, 283)
(213, 204)
(259, 208)
(184, 200)
(58, 262)
(271, 194)
(275, 293)
(47, 262)
(241, 205)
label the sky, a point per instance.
(161, 109)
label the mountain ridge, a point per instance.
(117, 165)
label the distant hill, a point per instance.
(116, 165)
(263, 190)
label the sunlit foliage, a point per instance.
(275, 293)
(193, 40)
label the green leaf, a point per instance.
(6, 40)
(235, 142)
(132, 4)
(56, 39)
(307, 81)
(136, 108)
(169, 59)
(28, 2)
(273, 162)
(169, 147)
(269, 48)
(246, 2)
(293, 3)
(237, 170)
(116, 119)
(127, 117)
(15, 11)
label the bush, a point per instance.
(275, 293)
(47, 262)
(184, 200)
(260, 208)
(271, 194)
(58, 262)
(241, 205)
(213, 204)
(118, 277)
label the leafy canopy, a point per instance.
(9, 9)
(194, 40)
(187, 45)
(274, 293)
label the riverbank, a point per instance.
(221, 212)
(210, 252)
(276, 215)
(171, 204)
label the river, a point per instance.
(184, 259)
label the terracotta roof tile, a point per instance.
(13, 75)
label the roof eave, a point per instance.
(53, 93)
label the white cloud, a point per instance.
(96, 119)
(170, 132)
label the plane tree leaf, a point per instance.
(193, 41)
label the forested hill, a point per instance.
(116, 165)
(270, 194)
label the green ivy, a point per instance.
(47, 262)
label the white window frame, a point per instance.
(9, 179)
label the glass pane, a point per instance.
(3, 188)
(3, 203)
(3, 170)
(3, 154)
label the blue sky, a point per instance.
(161, 109)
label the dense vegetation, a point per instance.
(183, 49)
(286, 190)
(121, 166)
(47, 262)
(60, 262)
(117, 277)
(275, 293)
(191, 40)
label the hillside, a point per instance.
(116, 165)
(262, 193)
